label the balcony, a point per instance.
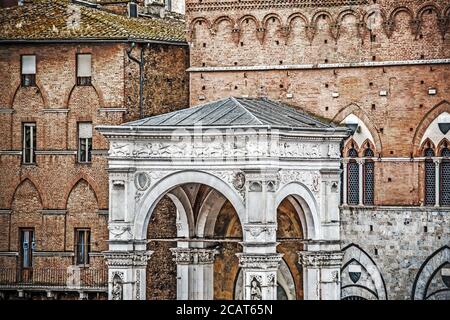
(73, 279)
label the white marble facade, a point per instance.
(255, 169)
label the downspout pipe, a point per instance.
(141, 76)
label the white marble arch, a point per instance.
(208, 213)
(151, 198)
(185, 216)
(308, 212)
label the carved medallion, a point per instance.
(142, 181)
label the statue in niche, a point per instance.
(117, 288)
(255, 290)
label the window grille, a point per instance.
(353, 178)
(445, 178)
(430, 178)
(369, 177)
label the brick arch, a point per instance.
(363, 147)
(98, 92)
(42, 94)
(193, 23)
(425, 145)
(74, 182)
(443, 106)
(296, 15)
(444, 143)
(270, 16)
(428, 6)
(332, 30)
(221, 19)
(249, 17)
(340, 19)
(21, 183)
(384, 19)
(398, 10)
(362, 115)
(350, 144)
(446, 12)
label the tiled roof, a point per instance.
(64, 20)
(236, 112)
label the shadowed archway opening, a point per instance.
(290, 238)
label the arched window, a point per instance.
(444, 195)
(430, 178)
(353, 178)
(369, 177)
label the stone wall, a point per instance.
(398, 239)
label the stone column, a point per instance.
(361, 181)
(195, 273)
(127, 274)
(259, 275)
(321, 272)
(344, 182)
(437, 166)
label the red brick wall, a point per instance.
(244, 34)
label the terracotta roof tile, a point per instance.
(64, 20)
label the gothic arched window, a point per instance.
(369, 177)
(430, 178)
(353, 178)
(444, 195)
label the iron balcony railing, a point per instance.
(70, 278)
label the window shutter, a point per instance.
(84, 65)
(85, 130)
(28, 64)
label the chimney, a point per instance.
(132, 9)
(155, 8)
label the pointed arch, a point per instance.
(353, 252)
(34, 186)
(42, 94)
(367, 144)
(427, 144)
(72, 185)
(444, 143)
(355, 109)
(428, 270)
(98, 93)
(429, 117)
(350, 144)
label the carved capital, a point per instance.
(127, 258)
(193, 256)
(259, 261)
(319, 259)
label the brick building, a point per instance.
(65, 68)
(354, 199)
(381, 67)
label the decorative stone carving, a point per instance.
(219, 147)
(138, 284)
(193, 255)
(239, 180)
(230, 178)
(127, 258)
(259, 261)
(319, 259)
(255, 288)
(256, 230)
(117, 286)
(310, 178)
(333, 151)
(119, 231)
(142, 181)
